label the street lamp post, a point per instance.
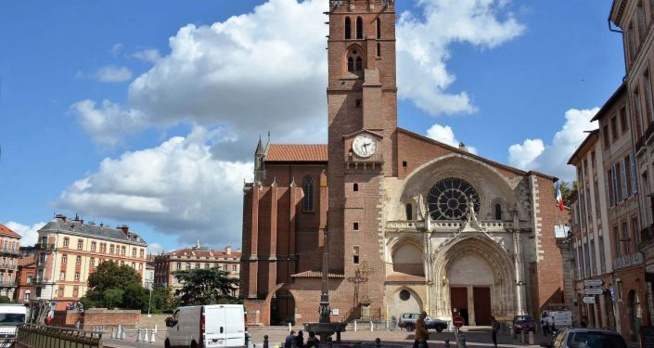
(150, 300)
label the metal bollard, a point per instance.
(138, 335)
(377, 342)
(265, 341)
(122, 333)
(447, 343)
(531, 337)
(113, 334)
(523, 339)
(155, 329)
(153, 336)
(372, 326)
(355, 326)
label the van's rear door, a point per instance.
(224, 326)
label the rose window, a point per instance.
(448, 199)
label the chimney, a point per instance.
(228, 250)
(62, 217)
(462, 146)
(125, 229)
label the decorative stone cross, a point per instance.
(361, 276)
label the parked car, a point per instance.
(585, 338)
(523, 323)
(408, 322)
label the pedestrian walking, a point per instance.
(299, 339)
(422, 334)
(495, 327)
(290, 340)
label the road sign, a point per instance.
(589, 299)
(458, 321)
(593, 291)
(593, 282)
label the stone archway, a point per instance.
(477, 271)
(403, 300)
(279, 307)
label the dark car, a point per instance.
(585, 338)
(523, 323)
(408, 322)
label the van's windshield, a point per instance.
(12, 318)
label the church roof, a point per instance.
(297, 153)
(316, 274)
(5, 231)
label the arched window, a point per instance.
(355, 187)
(307, 186)
(348, 28)
(409, 211)
(359, 28)
(355, 61)
(498, 211)
(378, 29)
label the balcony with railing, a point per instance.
(446, 226)
(45, 246)
(628, 260)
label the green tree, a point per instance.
(568, 191)
(112, 285)
(206, 286)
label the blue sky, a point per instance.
(147, 113)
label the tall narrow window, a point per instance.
(350, 64)
(409, 211)
(379, 28)
(498, 211)
(355, 187)
(614, 128)
(640, 127)
(359, 28)
(348, 28)
(640, 21)
(355, 254)
(307, 186)
(378, 50)
(626, 238)
(649, 104)
(359, 65)
(623, 119)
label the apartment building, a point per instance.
(10, 249)
(634, 20)
(194, 258)
(68, 250)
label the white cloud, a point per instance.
(423, 48)
(257, 72)
(155, 248)
(177, 187)
(151, 55)
(523, 155)
(111, 73)
(553, 158)
(445, 134)
(29, 234)
(109, 123)
(116, 49)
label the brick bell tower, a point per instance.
(362, 108)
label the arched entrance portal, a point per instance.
(476, 280)
(282, 308)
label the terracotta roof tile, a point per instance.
(316, 274)
(297, 153)
(5, 231)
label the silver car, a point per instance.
(585, 338)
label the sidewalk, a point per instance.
(475, 337)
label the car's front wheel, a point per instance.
(409, 327)
(439, 329)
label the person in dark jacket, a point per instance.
(312, 341)
(299, 339)
(289, 339)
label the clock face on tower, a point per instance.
(364, 145)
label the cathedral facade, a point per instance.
(405, 223)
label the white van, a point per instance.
(207, 326)
(11, 317)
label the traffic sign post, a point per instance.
(593, 282)
(589, 299)
(458, 321)
(593, 291)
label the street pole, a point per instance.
(150, 301)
